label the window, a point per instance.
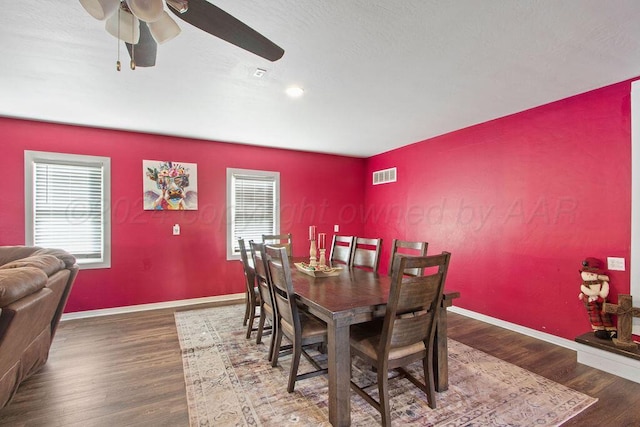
(253, 201)
(67, 200)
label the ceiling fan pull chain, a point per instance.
(118, 67)
(132, 64)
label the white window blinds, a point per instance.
(254, 206)
(68, 207)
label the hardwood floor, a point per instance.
(119, 370)
(126, 370)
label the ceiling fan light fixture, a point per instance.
(124, 26)
(100, 9)
(295, 91)
(146, 10)
(164, 29)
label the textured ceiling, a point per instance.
(377, 74)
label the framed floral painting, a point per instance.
(170, 185)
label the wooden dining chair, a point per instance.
(341, 249)
(300, 328)
(252, 296)
(366, 253)
(408, 248)
(279, 240)
(407, 332)
(267, 310)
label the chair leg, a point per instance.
(260, 326)
(274, 333)
(276, 347)
(293, 373)
(383, 392)
(252, 316)
(246, 310)
(430, 383)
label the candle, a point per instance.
(321, 240)
(312, 232)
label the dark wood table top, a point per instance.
(352, 293)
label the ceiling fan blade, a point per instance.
(144, 53)
(217, 22)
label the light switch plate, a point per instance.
(616, 264)
(336, 228)
(176, 229)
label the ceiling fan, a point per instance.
(143, 24)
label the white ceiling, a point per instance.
(377, 74)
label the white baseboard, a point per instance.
(612, 363)
(153, 306)
(543, 336)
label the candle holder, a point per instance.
(323, 259)
(312, 254)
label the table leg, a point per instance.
(339, 360)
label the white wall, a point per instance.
(634, 265)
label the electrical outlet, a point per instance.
(176, 229)
(336, 228)
(616, 264)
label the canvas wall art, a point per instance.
(170, 185)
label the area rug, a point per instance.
(229, 382)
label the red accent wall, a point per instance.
(149, 264)
(519, 202)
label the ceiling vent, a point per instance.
(384, 176)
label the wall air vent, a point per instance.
(384, 176)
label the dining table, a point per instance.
(349, 297)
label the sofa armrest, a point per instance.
(16, 283)
(47, 263)
(68, 259)
(12, 253)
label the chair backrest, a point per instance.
(341, 249)
(282, 288)
(261, 272)
(249, 271)
(414, 301)
(279, 240)
(366, 253)
(408, 248)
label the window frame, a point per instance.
(232, 173)
(43, 157)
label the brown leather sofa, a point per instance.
(34, 287)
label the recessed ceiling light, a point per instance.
(295, 91)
